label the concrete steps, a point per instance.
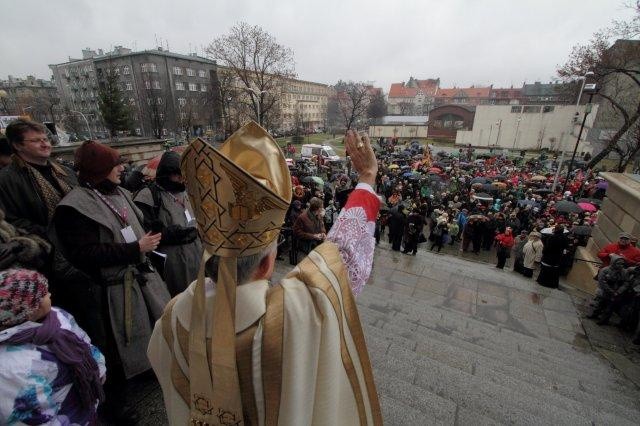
(437, 366)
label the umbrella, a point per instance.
(565, 206)
(542, 191)
(314, 179)
(538, 178)
(587, 207)
(414, 177)
(152, 165)
(407, 174)
(593, 201)
(602, 185)
(501, 185)
(394, 166)
(478, 216)
(582, 230)
(527, 202)
(435, 170)
(483, 196)
(549, 230)
(480, 180)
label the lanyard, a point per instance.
(181, 202)
(120, 214)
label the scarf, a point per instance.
(69, 349)
(50, 195)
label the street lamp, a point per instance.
(258, 94)
(515, 138)
(499, 124)
(592, 89)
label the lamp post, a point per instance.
(584, 80)
(258, 94)
(515, 137)
(592, 90)
(85, 122)
(499, 124)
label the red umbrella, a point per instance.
(435, 170)
(152, 165)
(587, 207)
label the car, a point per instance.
(310, 150)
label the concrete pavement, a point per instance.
(458, 342)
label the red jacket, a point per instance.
(630, 253)
(505, 240)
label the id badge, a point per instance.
(187, 216)
(128, 234)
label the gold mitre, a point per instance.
(240, 193)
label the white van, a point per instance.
(326, 151)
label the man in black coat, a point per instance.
(397, 221)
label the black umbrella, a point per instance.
(542, 191)
(582, 230)
(480, 180)
(565, 206)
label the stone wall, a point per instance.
(138, 150)
(619, 213)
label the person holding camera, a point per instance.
(99, 229)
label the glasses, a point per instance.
(34, 140)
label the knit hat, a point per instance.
(95, 161)
(169, 164)
(21, 291)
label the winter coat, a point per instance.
(20, 199)
(180, 241)
(532, 252)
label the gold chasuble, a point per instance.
(253, 354)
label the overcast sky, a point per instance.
(463, 42)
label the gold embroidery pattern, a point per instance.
(236, 214)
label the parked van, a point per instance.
(326, 151)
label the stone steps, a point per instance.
(565, 385)
(482, 349)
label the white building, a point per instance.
(529, 127)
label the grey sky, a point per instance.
(463, 42)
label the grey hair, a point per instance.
(247, 265)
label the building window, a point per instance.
(548, 108)
(116, 71)
(194, 114)
(161, 115)
(126, 70)
(129, 86)
(132, 101)
(177, 71)
(179, 85)
(156, 85)
(202, 73)
(159, 101)
(203, 87)
(531, 109)
(149, 101)
(193, 87)
(182, 101)
(149, 67)
(516, 109)
(183, 115)
(147, 85)
(138, 132)
(191, 72)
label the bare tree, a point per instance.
(353, 101)
(406, 108)
(258, 64)
(616, 68)
(154, 101)
(628, 148)
(377, 106)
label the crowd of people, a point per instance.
(111, 249)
